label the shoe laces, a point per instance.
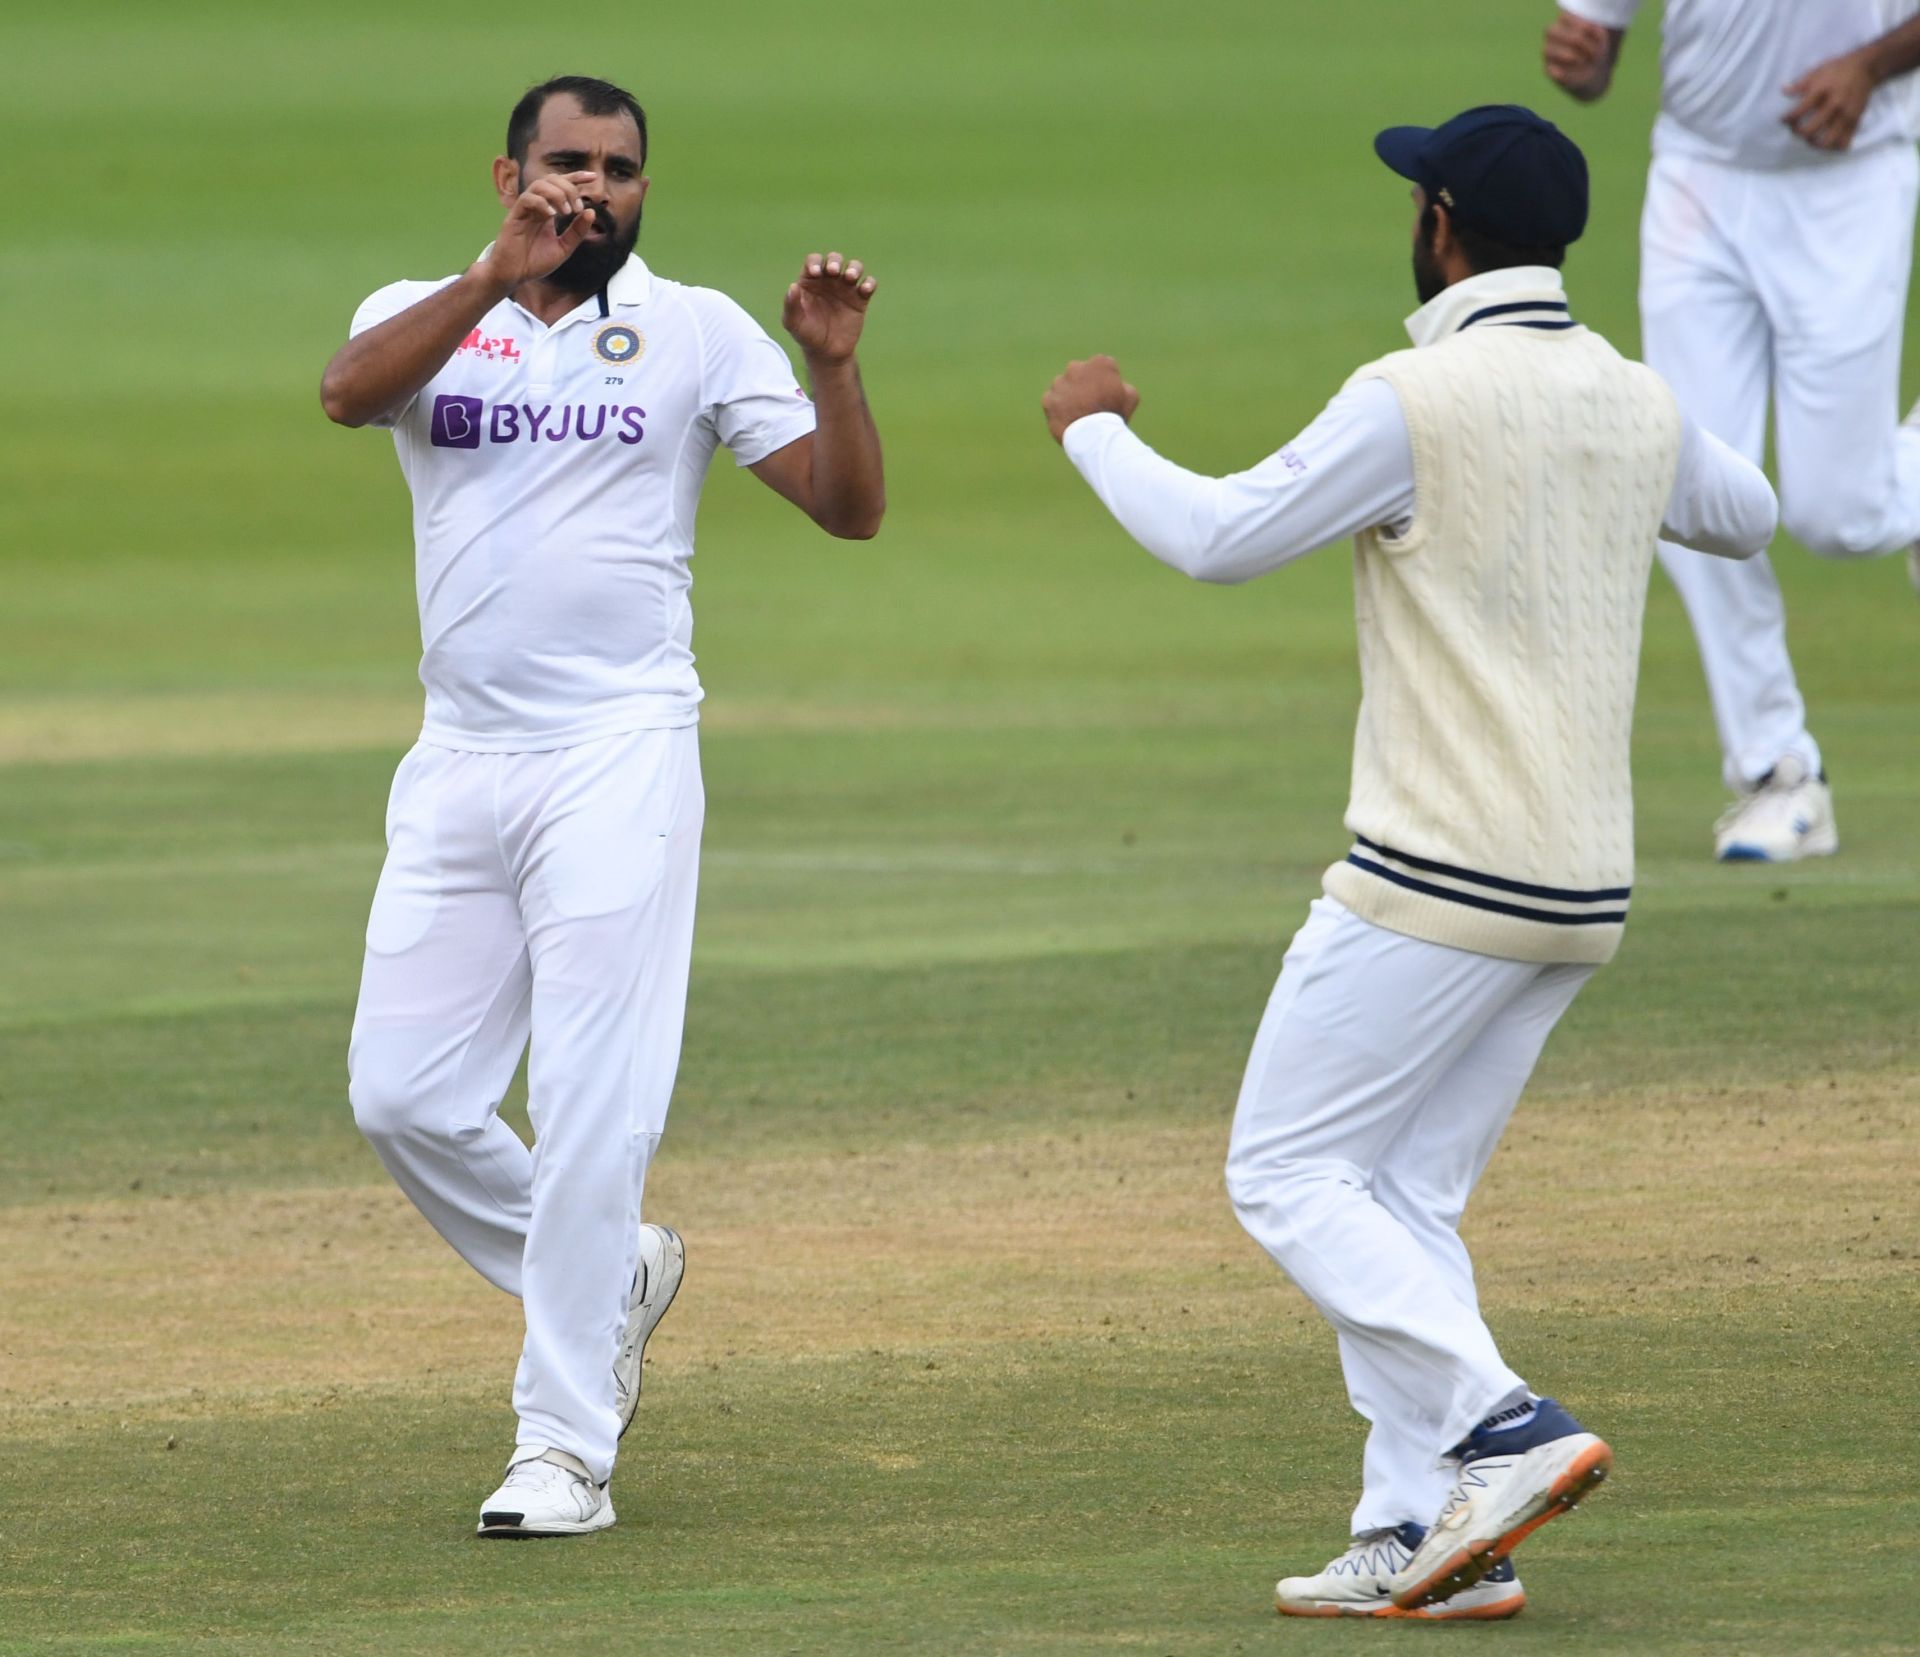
(1372, 1553)
(536, 1472)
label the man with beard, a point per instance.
(1504, 482)
(555, 408)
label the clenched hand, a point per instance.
(1578, 56)
(1083, 388)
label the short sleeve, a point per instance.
(1609, 14)
(755, 401)
(377, 308)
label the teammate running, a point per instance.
(1774, 252)
(555, 408)
(1504, 483)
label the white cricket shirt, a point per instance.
(555, 476)
(1724, 64)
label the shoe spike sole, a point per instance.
(1423, 1613)
(1471, 1563)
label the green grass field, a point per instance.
(1008, 829)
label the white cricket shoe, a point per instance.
(656, 1280)
(1511, 1482)
(1360, 1584)
(1788, 816)
(546, 1493)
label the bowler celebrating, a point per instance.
(1504, 483)
(1774, 251)
(555, 407)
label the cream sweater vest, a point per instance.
(1500, 644)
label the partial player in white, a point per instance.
(1504, 482)
(554, 408)
(1774, 254)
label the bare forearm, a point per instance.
(375, 372)
(1895, 53)
(849, 482)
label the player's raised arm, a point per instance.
(1351, 469)
(375, 372)
(1831, 99)
(834, 474)
(1579, 55)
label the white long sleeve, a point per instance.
(1721, 502)
(1351, 469)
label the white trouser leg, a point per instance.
(443, 1010)
(605, 842)
(1705, 330)
(1835, 286)
(1362, 1027)
(1423, 1180)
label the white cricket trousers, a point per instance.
(1380, 1081)
(1790, 282)
(551, 894)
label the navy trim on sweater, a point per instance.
(1552, 917)
(1560, 894)
(1512, 306)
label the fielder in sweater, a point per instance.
(1504, 483)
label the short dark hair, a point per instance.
(1484, 252)
(596, 97)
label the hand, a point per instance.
(827, 307)
(1090, 387)
(531, 243)
(1578, 56)
(1832, 100)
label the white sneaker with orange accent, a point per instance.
(1360, 1584)
(1510, 1483)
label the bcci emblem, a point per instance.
(618, 344)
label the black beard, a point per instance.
(592, 265)
(1428, 282)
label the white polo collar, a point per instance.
(1529, 296)
(629, 285)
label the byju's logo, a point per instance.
(467, 422)
(456, 422)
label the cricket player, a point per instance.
(1774, 252)
(1504, 482)
(555, 407)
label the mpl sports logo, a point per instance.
(467, 422)
(503, 349)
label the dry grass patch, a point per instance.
(169, 725)
(176, 724)
(249, 1294)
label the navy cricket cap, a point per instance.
(1501, 170)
